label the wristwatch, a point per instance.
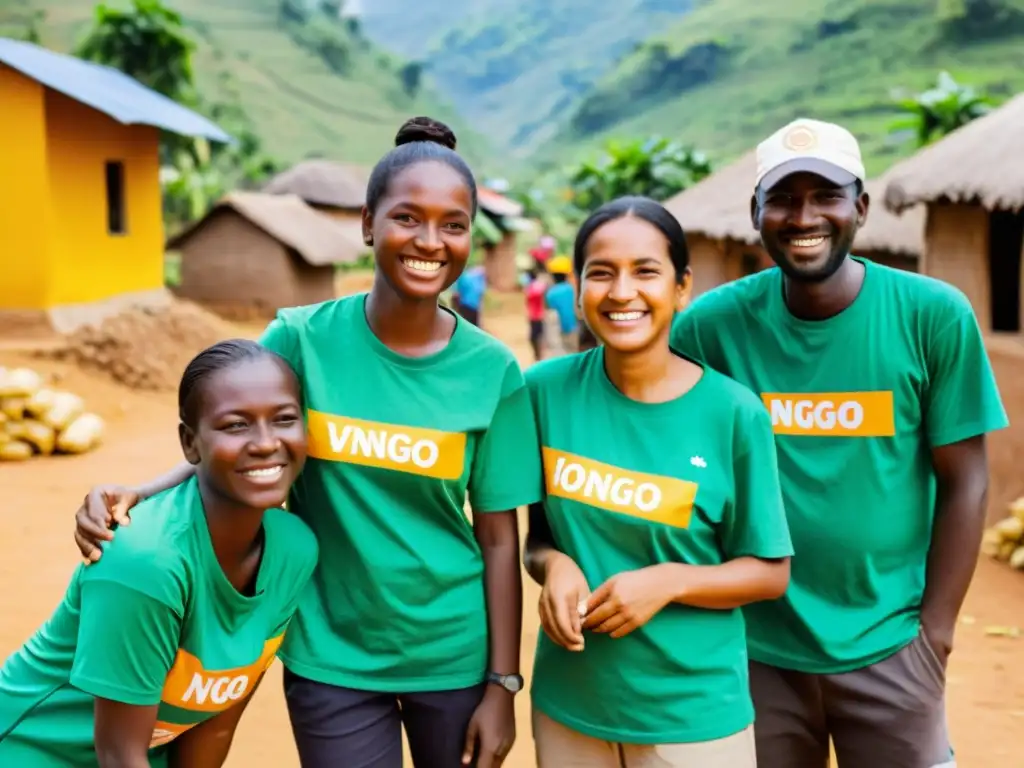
(511, 683)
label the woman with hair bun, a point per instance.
(413, 615)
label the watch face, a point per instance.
(511, 683)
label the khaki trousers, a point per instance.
(561, 747)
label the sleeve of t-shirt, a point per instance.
(304, 553)
(127, 641)
(962, 399)
(685, 337)
(506, 468)
(279, 337)
(755, 524)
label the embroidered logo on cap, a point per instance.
(800, 139)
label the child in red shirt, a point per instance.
(535, 290)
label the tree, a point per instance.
(148, 42)
(939, 111)
(656, 167)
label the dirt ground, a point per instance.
(986, 676)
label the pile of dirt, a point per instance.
(145, 347)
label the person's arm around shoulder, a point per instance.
(106, 506)
(131, 611)
(961, 404)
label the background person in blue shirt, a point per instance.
(468, 293)
(561, 297)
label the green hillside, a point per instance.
(311, 85)
(516, 69)
(734, 70)
(411, 29)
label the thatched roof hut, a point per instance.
(981, 163)
(253, 253)
(723, 242)
(323, 183)
(972, 182)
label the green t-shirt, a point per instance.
(154, 621)
(857, 402)
(397, 601)
(631, 485)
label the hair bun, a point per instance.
(425, 129)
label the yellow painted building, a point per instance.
(80, 203)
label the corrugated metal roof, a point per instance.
(106, 90)
(496, 203)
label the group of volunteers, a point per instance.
(753, 517)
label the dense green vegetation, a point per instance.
(554, 76)
(733, 70)
(308, 82)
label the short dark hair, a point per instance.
(651, 211)
(419, 140)
(221, 356)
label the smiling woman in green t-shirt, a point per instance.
(413, 616)
(155, 651)
(663, 515)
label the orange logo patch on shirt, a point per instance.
(832, 414)
(191, 687)
(654, 498)
(417, 451)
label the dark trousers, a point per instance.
(471, 315)
(889, 715)
(338, 727)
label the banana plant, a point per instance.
(655, 167)
(938, 111)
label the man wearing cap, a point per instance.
(880, 394)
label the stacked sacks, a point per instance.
(38, 421)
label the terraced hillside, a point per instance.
(553, 78)
(733, 70)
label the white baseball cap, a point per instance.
(809, 146)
